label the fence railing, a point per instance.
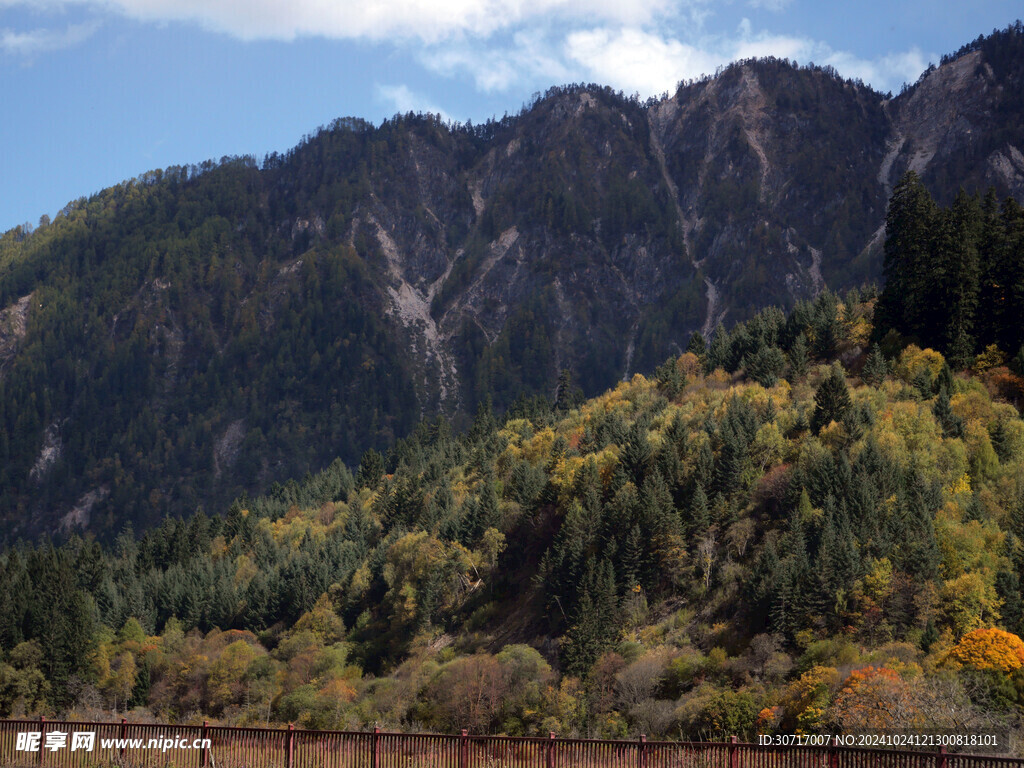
(53, 744)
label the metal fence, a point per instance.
(39, 743)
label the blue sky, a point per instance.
(96, 91)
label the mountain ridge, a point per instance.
(185, 334)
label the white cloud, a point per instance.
(426, 20)
(770, 5)
(404, 100)
(44, 40)
(635, 60)
(643, 46)
(532, 55)
(646, 62)
(886, 73)
(751, 45)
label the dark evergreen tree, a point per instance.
(633, 562)
(945, 380)
(875, 367)
(831, 399)
(524, 486)
(371, 470)
(741, 417)
(827, 328)
(670, 379)
(853, 422)
(837, 552)
(1013, 266)
(696, 344)
(622, 512)
(923, 383)
(991, 289)
(700, 513)
(658, 513)
(732, 461)
(1017, 364)
(909, 225)
(637, 454)
(799, 321)
(763, 587)
(1001, 440)
(929, 637)
(957, 279)
(567, 394)
(765, 365)
(799, 357)
(790, 606)
(60, 617)
(704, 466)
(802, 423)
(718, 351)
(918, 546)
(488, 514)
(594, 620)
(588, 636)
(952, 425)
(1008, 588)
(1005, 268)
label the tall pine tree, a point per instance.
(960, 275)
(831, 400)
(907, 266)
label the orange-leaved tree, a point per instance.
(873, 698)
(989, 649)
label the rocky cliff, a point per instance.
(201, 332)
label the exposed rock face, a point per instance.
(78, 517)
(225, 452)
(13, 326)
(590, 232)
(49, 455)
(775, 178)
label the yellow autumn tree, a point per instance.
(225, 682)
(418, 562)
(806, 699)
(913, 360)
(989, 649)
(969, 602)
(322, 621)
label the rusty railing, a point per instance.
(53, 744)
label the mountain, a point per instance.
(200, 332)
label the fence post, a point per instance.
(942, 761)
(42, 738)
(124, 737)
(732, 751)
(206, 750)
(376, 747)
(833, 755)
(291, 746)
(463, 748)
(641, 751)
(551, 749)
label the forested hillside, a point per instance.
(201, 332)
(776, 531)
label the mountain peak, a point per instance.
(321, 302)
